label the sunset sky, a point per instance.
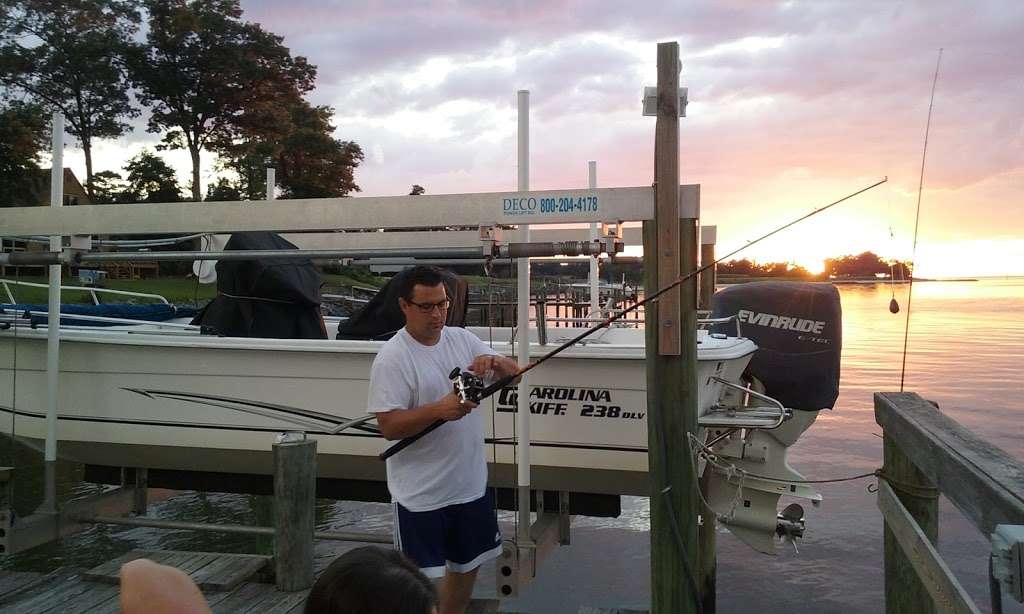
(793, 105)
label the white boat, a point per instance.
(203, 407)
(139, 396)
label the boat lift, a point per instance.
(345, 228)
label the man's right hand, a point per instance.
(451, 407)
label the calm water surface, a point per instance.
(966, 347)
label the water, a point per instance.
(966, 345)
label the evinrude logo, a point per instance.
(775, 321)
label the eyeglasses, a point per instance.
(430, 307)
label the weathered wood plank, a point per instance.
(104, 571)
(985, 483)
(50, 598)
(96, 597)
(11, 581)
(905, 592)
(279, 602)
(938, 580)
(236, 571)
(225, 573)
(246, 597)
(44, 580)
(666, 198)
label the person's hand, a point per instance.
(484, 365)
(451, 407)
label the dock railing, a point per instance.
(926, 453)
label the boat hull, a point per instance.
(208, 404)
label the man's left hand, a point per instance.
(490, 365)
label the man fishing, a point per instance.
(444, 516)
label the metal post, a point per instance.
(708, 236)
(271, 183)
(523, 328)
(542, 322)
(53, 324)
(294, 503)
(595, 291)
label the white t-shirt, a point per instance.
(446, 466)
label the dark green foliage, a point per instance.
(107, 187)
(416, 190)
(150, 180)
(210, 77)
(310, 162)
(24, 131)
(70, 56)
(222, 191)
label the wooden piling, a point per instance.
(904, 591)
(294, 503)
(671, 364)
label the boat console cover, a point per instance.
(381, 317)
(267, 298)
(145, 313)
(797, 327)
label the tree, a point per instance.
(108, 187)
(150, 180)
(310, 162)
(70, 55)
(865, 264)
(416, 190)
(208, 76)
(222, 191)
(23, 135)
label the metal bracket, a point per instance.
(1008, 559)
(520, 563)
(611, 237)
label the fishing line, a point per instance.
(489, 390)
(917, 219)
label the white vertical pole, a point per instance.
(595, 292)
(53, 322)
(271, 183)
(523, 322)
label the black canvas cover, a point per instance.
(797, 327)
(381, 317)
(266, 298)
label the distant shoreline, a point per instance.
(740, 279)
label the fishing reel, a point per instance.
(467, 385)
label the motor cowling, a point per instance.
(797, 327)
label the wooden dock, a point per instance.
(230, 583)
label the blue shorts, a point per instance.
(459, 537)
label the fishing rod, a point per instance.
(469, 387)
(917, 219)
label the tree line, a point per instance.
(211, 83)
(864, 265)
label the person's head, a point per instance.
(424, 302)
(372, 580)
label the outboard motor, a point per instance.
(798, 330)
